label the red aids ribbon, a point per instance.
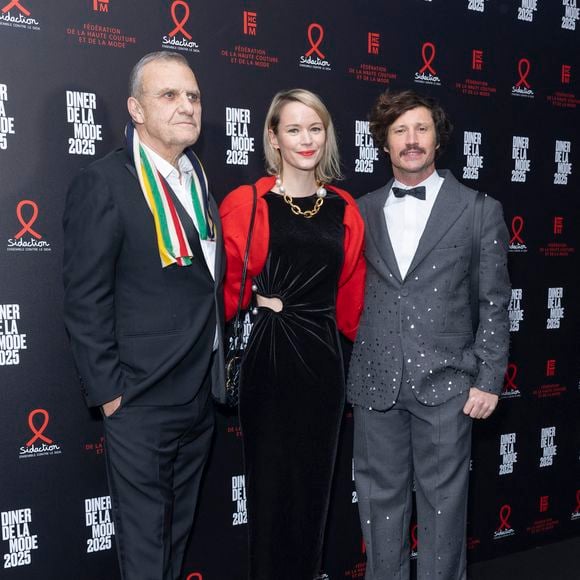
(179, 23)
(523, 70)
(510, 375)
(504, 514)
(15, 4)
(27, 224)
(315, 44)
(38, 433)
(414, 542)
(195, 576)
(427, 60)
(517, 227)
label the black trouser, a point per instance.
(155, 461)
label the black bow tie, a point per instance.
(418, 192)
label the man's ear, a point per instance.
(135, 110)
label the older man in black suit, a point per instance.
(142, 271)
(429, 356)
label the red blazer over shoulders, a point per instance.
(235, 213)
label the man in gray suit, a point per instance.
(419, 374)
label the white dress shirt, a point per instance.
(407, 217)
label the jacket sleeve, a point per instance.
(235, 214)
(350, 296)
(491, 345)
(92, 240)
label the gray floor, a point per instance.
(558, 561)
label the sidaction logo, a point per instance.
(427, 73)
(576, 513)
(32, 242)
(510, 388)
(523, 88)
(504, 530)
(314, 57)
(39, 444)
(184, 41)
(16, 14)
(517, 243)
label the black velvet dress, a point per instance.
(292, 392)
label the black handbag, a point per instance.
(235, 345)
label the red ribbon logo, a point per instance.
(180, 23)
(27, 224)
(523, 70)
(510, 376)
(315, 43)
(38, 433)
(517, 227)
(194, 576)
(427, 60)
(504, 515)
(15, 4)
(414, 542)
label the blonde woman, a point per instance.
(306, 273)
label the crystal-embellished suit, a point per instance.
(414, 361)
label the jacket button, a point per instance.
(404, 292)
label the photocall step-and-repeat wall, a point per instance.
(508, 73)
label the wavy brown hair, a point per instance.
(391, 105)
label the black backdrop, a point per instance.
(507, 72)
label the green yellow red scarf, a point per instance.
(171, 238)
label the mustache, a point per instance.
(413, 149)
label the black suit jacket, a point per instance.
(137, 329)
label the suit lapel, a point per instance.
(449, 205)
(220, 263)
(131, 169)
(378, 230)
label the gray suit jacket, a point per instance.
(423, 323)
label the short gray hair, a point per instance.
(136, 76)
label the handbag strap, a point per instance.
(245, 266)
(475, 256)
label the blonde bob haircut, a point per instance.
(328, 169)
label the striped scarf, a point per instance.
(171, 238)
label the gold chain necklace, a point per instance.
(309, 213)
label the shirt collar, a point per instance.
(431, 184)
(165, 168)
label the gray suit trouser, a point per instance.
(433, 445)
